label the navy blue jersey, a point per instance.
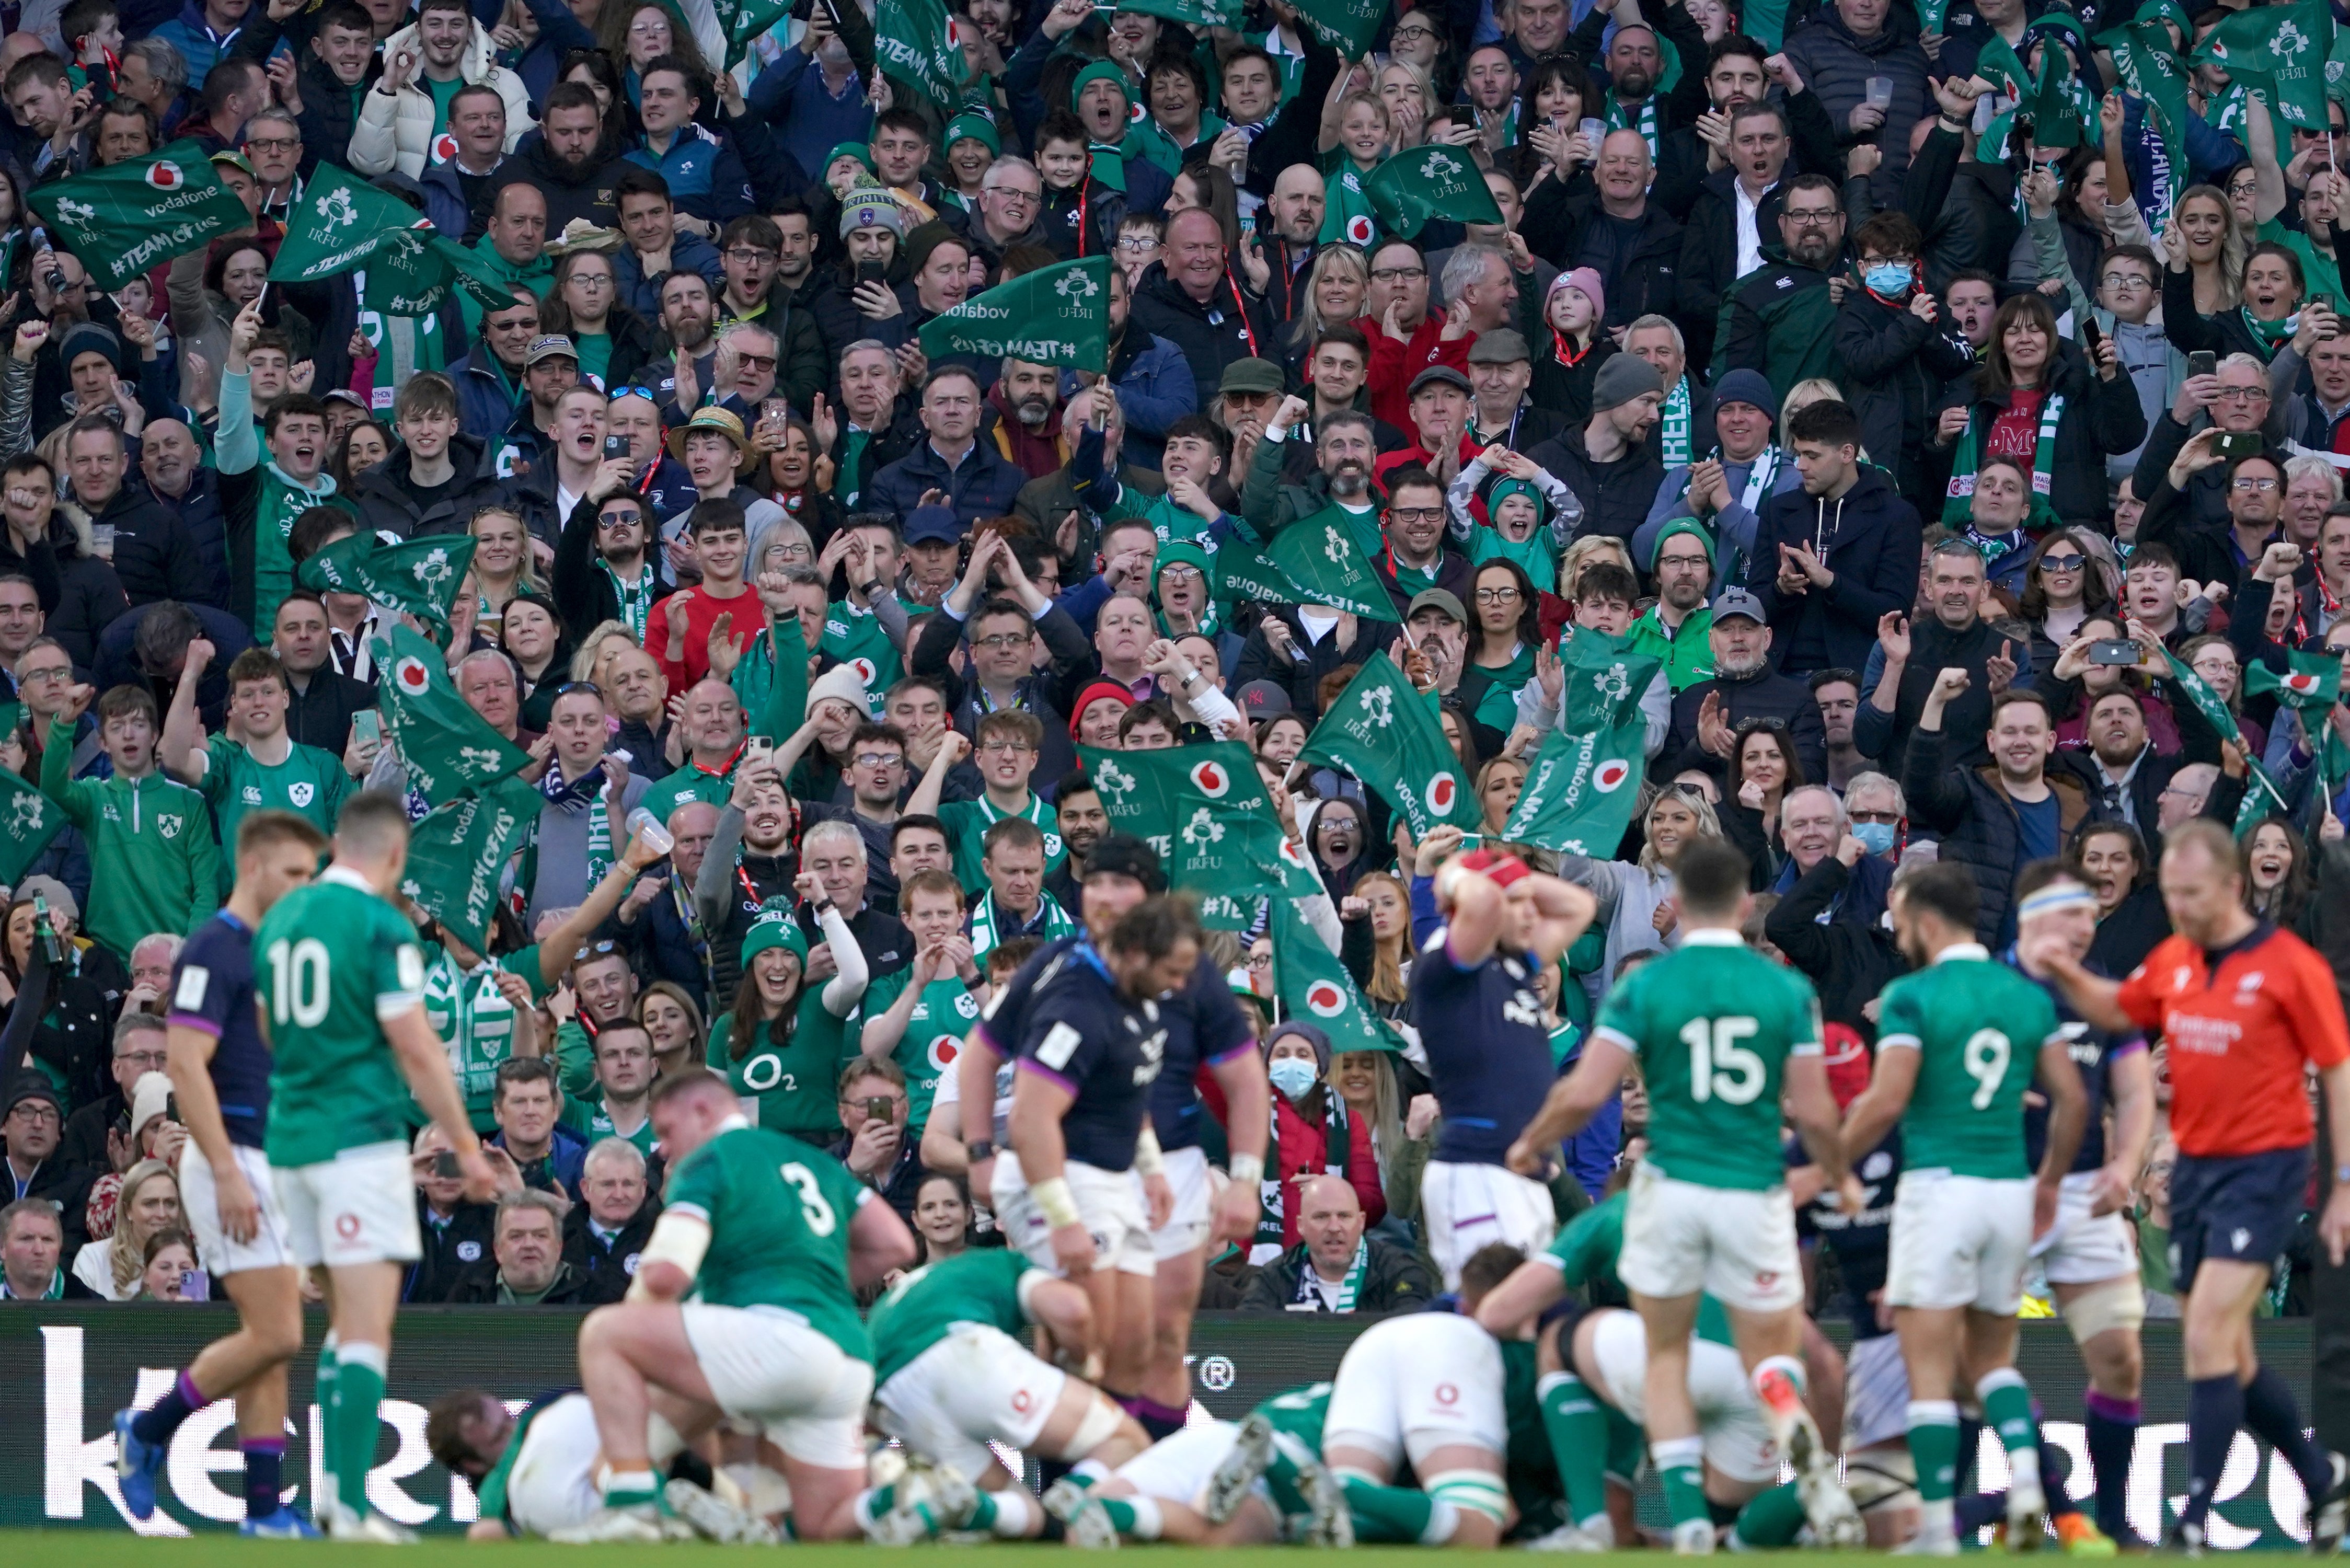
(1488, 1058)
(1106, 1052)
(1205, 1026)
(1863, 1245)
(2093, 1050)
(1007, 1010)
(211, 991)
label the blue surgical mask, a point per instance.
(1887, 277)
(1876, 837)
(1293, 1077)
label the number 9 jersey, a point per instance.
(1977, 1027)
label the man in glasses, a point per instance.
(2235, 398)
(1011, 203)
(1779, 320)
(605, 568)
(750, 250)
(488, 377)
(2252, 496)
(589, 797)
(1416, 556)
(29, 1151)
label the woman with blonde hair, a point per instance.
(149, 1203)
(592, 660)
(502, 565)
(1634, 897)
(1412, 100)
(673, 1017)
(1499, 784)
(1584, 553)
(1335, 288)
(2204, 237)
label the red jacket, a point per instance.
(1394, 364)
(1301, 1147)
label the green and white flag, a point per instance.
(2142, 54)
(2001, 65)
(1386, 733)
(2283, 48)
(1314, 561)
(1054, 315)
(448, 747)
(742, 21)
(1191, 12)
(32, 818)
(1347, 26)
(477, 272)
(2310, 683)
(126, 220)
(2206, 702)
(1315, 987)
(1424, 182)
(1604, 682)
(1203, 809)
(917, 44)
(2056, 110)
(1579, 796)
(340, 223)
(418, 577)
(456, 855)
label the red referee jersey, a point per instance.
(2238, 1037)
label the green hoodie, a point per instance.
(153, 863)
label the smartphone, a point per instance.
(368, 724)
(2202, 362)
(2090, 336)
(445, 1167)
(881, 1107)
(2238, 443)
(871, 272)
(615, 446)
(2114, 651)
(195, 1285)
(758, 749)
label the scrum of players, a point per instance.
(731, 1395)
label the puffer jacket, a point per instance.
(1155, 388)
(1837, 65)
(396, 133)
(1896, 364)
(1977, 822)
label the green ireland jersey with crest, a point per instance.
(796, 1084)
(987, 1285)
(475, 1022)
(778, 1213)
(1713, 1024)
(944, 1014)
(330, 962)
(967, 822)
(310, 783)
(856, 636)
(589, 1120)
(1977, 1026)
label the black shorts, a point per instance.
(2242, 1209)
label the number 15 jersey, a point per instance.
(1712, 1025)
(1978, 1026)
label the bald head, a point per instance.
(1298, 203)
(2189, 792)
(1330, 1223)
(713, 721)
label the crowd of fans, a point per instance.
(1921, 460)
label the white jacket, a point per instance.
(397, 132)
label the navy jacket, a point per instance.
(983, 485)
(1870, 538)
(486, 399)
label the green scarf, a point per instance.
(983, 936)
(2271, 335)
(1676, 425)
(635, 603)
(1349, 1288)
(1619, 121)
(1958, 511)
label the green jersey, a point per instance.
(591, 1121)
(153, 863)
(797, 1085)
(778, 1213)
(475, 1022)
(943, 1015)
(688, 783)
(310, 783)
(1714, 1077)
(986, 1285)
(856, 636)
(1977, 1027)
(967, 822)
(1298, 1414)
(330, 962)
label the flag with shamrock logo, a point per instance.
(2001, 65)
(1425, 183)
(2052, 102)
(2206, 702)
(2311, 682)
(1579, 796)
(917, 43)
(1314, 561)
(457, 855)
(1387, 734)
(33, 819)
(2142, 54)
(1603, 681)
(125, 219)
(1315, 987)
(418, 577)
(1191, 12)
(1202, 808)
(1054, 315)
(1347, 26)
(340, 222)
(448, 747)
(2281, 49)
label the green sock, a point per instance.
(1135, 1516)
(1681, 1468)
(321, 1503)
(1571, 1419)
(1388, 1513)
(1770, 1519)
(984, 1516)
(1626, 1446)
(1934, 1447)
(875, 1505)
(2007, 1410)
(359, 1394)
(631, 1489)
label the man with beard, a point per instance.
(1779, 319)
(1618, 232)
(689, 314)
(1901, 669)
(749, 861)
(1338, 491)
(2127, 777)
(1832, 560)
(321, 699)
(1416, 554)
(654, 249)
(603, 568)
(1677, 628)
(1706, 716)
(1193, 300)
(459, 189)
(1611, 463)
(1077, 813)
(1021, 408)
(570, 164)
(489, 376)
(1728, 485)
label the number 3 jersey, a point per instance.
(778, 1213)
(1977, 1026)
(1713, 1024)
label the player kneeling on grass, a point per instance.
(952, 1375)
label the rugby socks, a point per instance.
(360, 1372)
(1137, 1517)
(1681, 1468)
(1158, 1420)
(265, 1465)
(2215, 1410)
(1934, 1447)
(1578, 1441)
(1398, 1514)
(2272, 1412)
(1770, 1519)
(156, 1423)
(1005, 1514)
(631, 1489)
(873, 1505)
(2007, 1410)
(2109, 1428)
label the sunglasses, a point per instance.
(595, 949)
(647, 393)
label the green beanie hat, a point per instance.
(1688, 525)
(1102, 71)
(978, 128)
(1181, 552)
(857, 150)
(775, 927)
(1503, 490)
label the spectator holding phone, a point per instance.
(874, 1141)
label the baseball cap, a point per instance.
(1436, 598)
(1440, 376)
(933, 526)
(1263, 700)
(550, 347)
(1738, 601)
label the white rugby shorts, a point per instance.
(357, 1208)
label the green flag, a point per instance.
(2000, 64)
(1191, 12)
(1054, 315)
(2312, 682)
(418, 577)
(1203, 809)
(1384, 733)
(2206, 702)
(744, 20)
(340, 222)
(405, 277)
(33, 820)
(482, 273)
(2286, 47)
(1580, 798)
(2142, 54)
(2056, 112)
(1604, 682)
(1314, 561)
(1315, 987)
(917, 45)
(456, 853)
(1347, 26)
(2338, 67)
(448, 747)
(1425, 183)
(125, 219)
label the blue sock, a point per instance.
(1159, 1421)
(264, 1459)
(160, 1420)
(1971, 1431)
(2109, 1427)
(2215, 1410)
(2272, 1412)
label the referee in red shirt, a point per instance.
(2244, 1006)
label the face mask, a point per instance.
(1887, 277)
(1291, 1075)
(1876, 837)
